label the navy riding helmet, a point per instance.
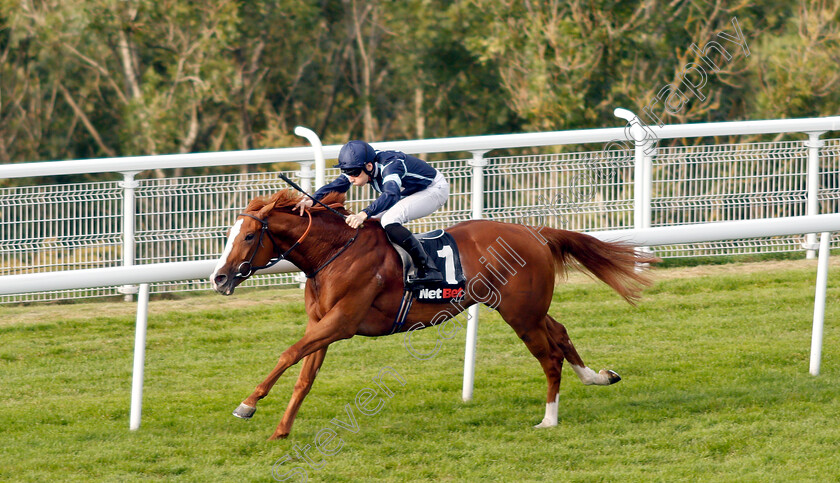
(353, 157)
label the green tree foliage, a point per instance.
(93, 78)
(568, 64)
(796, 70)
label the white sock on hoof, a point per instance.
(550, 418)
(590, 377)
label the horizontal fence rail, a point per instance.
(144, 274)
(725, 230)
(444, 145)
(73, 279)
(136, 274)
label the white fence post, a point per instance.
(642, 171)
(129, 184)
(639, 187)
(139, 357)
(478, 163)
(819, 304)
(814, 143)
(320, 163)
(639, 172)
(306, 175)
(647, 181)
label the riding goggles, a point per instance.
(352, 171)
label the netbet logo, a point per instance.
(440, 293)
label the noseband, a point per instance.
(246, 269)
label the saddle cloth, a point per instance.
(442, 248)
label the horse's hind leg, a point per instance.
(549, 342)
(586, 375)
(553, 376)
(534, 333)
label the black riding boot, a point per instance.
(427, 272)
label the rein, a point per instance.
(275, 260)
(349, 242)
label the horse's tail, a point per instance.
(613, 263)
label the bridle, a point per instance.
(275, 260)
(264, 229)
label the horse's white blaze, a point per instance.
(550, 418)
(589, 377)
(234, 231)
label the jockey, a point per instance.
(409, 187)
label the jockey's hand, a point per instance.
(303, 204)
(357, 219)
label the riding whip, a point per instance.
(295, 186)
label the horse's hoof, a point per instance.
(244, 411)
(611, 376)
(276, 436)
(546, 424)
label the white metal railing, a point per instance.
(480, 144)
(88, 225)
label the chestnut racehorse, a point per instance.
(358, 284)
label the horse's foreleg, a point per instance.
(339, 323)
(312, 341)
(584, 373)
(308, 372)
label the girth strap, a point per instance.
(402, 313)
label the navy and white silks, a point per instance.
(409, 188)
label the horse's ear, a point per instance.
(265, 211)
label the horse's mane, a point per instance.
(288, 198)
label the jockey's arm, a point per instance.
(391, 186)
(340, 184)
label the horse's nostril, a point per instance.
(220, 279)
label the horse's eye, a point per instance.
(249, 237)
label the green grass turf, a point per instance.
(716, 388)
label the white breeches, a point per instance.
(419, 204)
